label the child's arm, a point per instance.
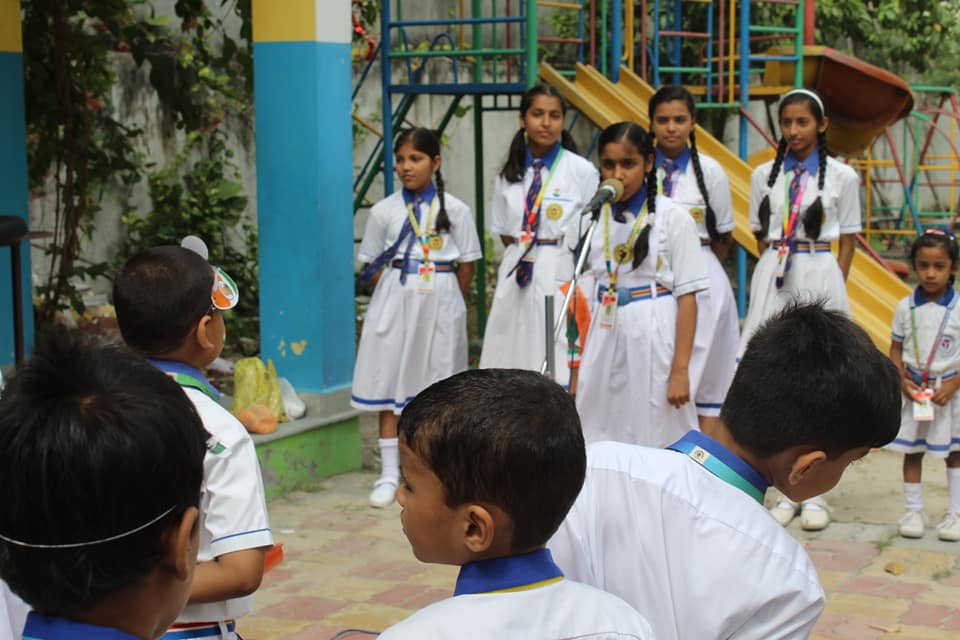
(845, 254)
(231, 575)
(465, 273)
(678, 387)
(906, 382)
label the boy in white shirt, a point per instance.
(682, 533)
(491, 461)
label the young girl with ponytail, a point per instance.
(697, 183)
(537, 196)
(800, 202)
(642, 274)
(415, 332)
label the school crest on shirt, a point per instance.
(436, 242)
(697, 213)
(946, 344)
(554, 212)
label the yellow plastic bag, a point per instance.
(256, 401)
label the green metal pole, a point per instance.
(603, 38)
(481, 276)
(532, 71)
(798, 46)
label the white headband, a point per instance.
(805, 92)
(74, 545)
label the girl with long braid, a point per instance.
(800, 202)
(415, 332)
(642, 274)
(537, 196)
(698, 184)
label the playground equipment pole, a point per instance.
(809, 22)
(744, 104)
(533, 72)
(386, 103)
(616, 39)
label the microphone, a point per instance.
(610, 189)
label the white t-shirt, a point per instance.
(686, 194)
(13, 613)
(929, 315)
(699, 557)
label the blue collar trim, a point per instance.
(680, 161)
(634, 204)
(510, 572)
(181, 368)
(40, 627)
(811, 163)
(547, 158)
(919, 298)
(721, 454)
(427, 195)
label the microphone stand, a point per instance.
(547, 369)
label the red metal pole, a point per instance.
(809, 22)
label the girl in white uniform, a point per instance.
(642, 273)
(924, 345)
(415, 332)
(538, 195)
(697, 183)
(800, 202)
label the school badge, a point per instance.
(623, 253)
(554, 212)
(697, 214)
(436, 242)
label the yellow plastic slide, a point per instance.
(873, 291)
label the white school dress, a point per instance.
(699, 556)
(412, 339)
(714, 358)
(540, 605)
(233, 509)
(515, 335)
(13, 613)
(624, 371)
(814, 273)
(940, 436)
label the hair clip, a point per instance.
(941, 232)
(805, 92)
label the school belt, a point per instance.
(918, 375)
(549, 242)
(413, 266)
(805, 246)
(197, 630)
(626, 295)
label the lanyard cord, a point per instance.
(925, 373)
(791, 210)
(638, 226)
(530, 216)
(415, 225)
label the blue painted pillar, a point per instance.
(304, 195)
(13, 173)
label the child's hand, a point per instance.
(909, 388)
(678, 388)
(944, 394)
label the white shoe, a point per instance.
(814, 515)
(384, 493)
(784, 511)
(949, 528)
(913, 524)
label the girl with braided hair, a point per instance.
(698, 184)
(419, 246)
(643, 271)
(801, 202)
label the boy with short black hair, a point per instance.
(682, 532)
(491, 461)
(170, 304)
(103, 458)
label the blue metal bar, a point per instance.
(386, 101)
(655, 48)
(745, 101)
(616, 39)
(449, 21)
(472, 88)
(775, 58)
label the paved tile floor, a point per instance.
(349, 567)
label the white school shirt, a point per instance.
(929, 316)
(686, 194)
(573, 183)
(13, 613)
(233, 509)
(388, 216)
(697, 556)
(841, 200)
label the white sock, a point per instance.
(389, 458)
(913, 495)
(953, 485)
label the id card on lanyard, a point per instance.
(527, 233)
(790, 217)
(426, 270)
(620, 254)
(923, 399)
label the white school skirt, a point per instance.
(409, 341)
(622, 386)
(515, 336)
(812, 277)
(714, 358)
(938, 437)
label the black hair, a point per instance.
(811, 376)
(94, 442)
(642, 141)
(673, 93)
(813, 216)
(936, 238)
(159, 295)
(507, 437)
(428, 142)
(515, 166)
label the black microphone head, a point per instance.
(616, 185)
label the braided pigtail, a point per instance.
(642, 246)
(710, 217)
(443, 220)
(764, 210)
(516, 158)
(813, 216)
(567, 142)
